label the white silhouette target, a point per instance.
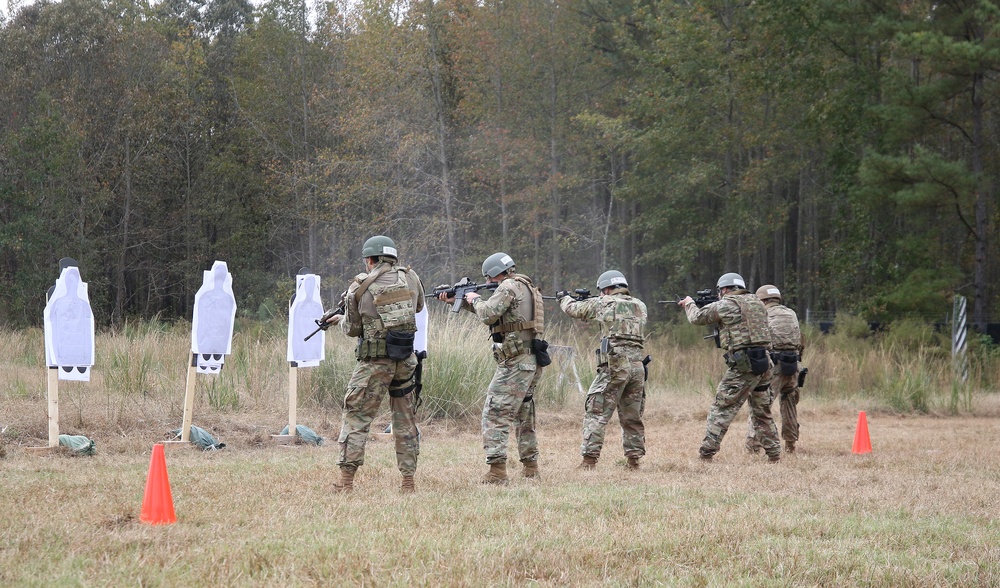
(302, 314)
(213, 320)
(69, 327)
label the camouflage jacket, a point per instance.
(785, 332)
(362, 318)
(622, 317)
(511, 303)
(740, 317)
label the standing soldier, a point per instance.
(380, 311)
(787, 344)
(620, 383)
(516, 319)
(741, 321)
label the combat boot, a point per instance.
(531, 469)
(632, 463)
(346, 484)
(589, 462)
(773, 459)
(790, 446)
(497, 474)
(408, 486)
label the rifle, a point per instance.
(702, 298)
(321, 324)
(578, 294)
(459, 290)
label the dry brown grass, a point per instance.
(919, 511)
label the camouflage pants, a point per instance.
(369, 383)
(514, 381)
(736, 388)
(620, 384)
(788, 401)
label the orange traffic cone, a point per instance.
(157, 503)
(862, 443)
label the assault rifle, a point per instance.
(321, 324)
(702, 298)
(578, 294)
(459, 290)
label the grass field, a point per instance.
(918, 511)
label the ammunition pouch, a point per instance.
(371, 349)
(508, 348)
(399, 345)
(787, 362)
(540, 348)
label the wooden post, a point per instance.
(53, 385)
(293, 400)
(189, 399)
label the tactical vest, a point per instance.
(621, 318)
(751, 330)
(394, 305)
(785, 332)
(516, 319)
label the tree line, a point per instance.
(844, 150)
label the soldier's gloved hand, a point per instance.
(562, 294)
(330, 318)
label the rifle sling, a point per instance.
(383, 267)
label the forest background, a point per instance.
(845, 150)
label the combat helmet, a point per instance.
(768, 291)
(379, 246)
(731, 279)
(497, 264)
(611, 278)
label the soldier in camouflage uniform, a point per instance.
(787, 344)
(744, 333)
(380, 310)
(516, 319)
(620, 383)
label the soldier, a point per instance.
(787, 344)
(516, 320)
(620, 383)
(741, 321)
(380, 311)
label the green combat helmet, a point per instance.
(497, 264)
(729, 280)
(610, 279)
(379, 246)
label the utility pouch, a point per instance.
(398, 345)
(738, 360)
(758, 360)
(540, 348)
(788, 362)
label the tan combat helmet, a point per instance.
(768, 291)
